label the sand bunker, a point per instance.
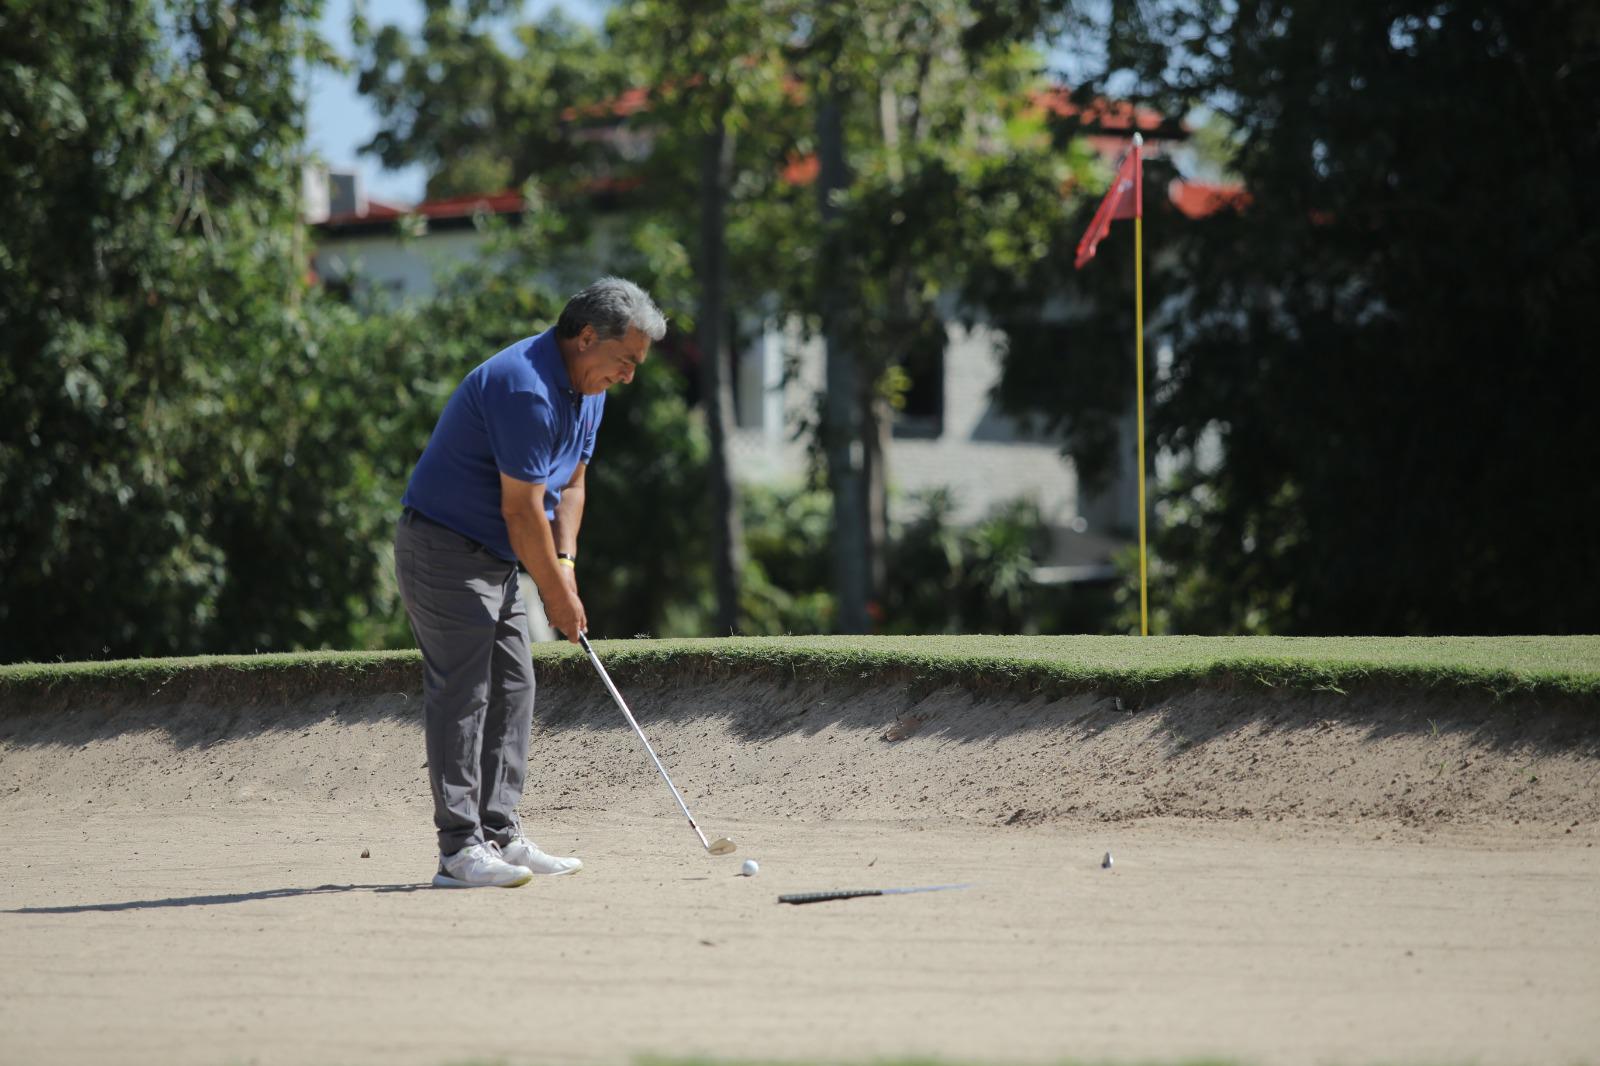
(1298, 878)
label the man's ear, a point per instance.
(586, 338)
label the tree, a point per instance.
(200, 451)
(933, 170)
(480, 118)
(713, 75)
(840, 426)
(1383, 341)
(167, 484)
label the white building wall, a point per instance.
(779, 379)
(410, 267)
(984, 457)
(980, 455)
(399, 267)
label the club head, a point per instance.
(722, 846)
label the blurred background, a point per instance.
(247, 249)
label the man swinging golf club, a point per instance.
(502, 481)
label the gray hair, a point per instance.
(611, 306)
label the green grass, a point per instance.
(651, 1061)
(1501, 665)
(1494, 666)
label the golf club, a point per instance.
(719, 846)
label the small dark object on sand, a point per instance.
(857, 893)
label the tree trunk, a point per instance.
(877, 417)
(877, 421)
(841, 415)
(716, 167)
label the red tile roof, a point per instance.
(1197, 199)
(1108, 115)
(1108, 124)
(630, 102)
(508, 201)
(1193, 199)
(801, 169)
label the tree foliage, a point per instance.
(943, 576)
(481, 117)
(1385, 342)
(199, 452)
(169, 427)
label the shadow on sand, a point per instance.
(763, 709)
(213, 901)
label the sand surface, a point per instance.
(1295, 880)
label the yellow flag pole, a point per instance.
(1138, 319)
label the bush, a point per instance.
(941, 577)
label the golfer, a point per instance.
(501, 482)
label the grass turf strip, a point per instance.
(650, 1061)
(1532, 666)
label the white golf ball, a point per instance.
(749, 869)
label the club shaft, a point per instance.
(622, 705)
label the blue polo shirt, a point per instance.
(517, 414)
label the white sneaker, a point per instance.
(525, 852)
(479, 866)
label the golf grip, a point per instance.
(822, 897)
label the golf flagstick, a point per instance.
(1125, 199)
(720, 846)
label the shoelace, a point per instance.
(487, 850)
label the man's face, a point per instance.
(602, 364)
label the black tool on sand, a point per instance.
(857, 893)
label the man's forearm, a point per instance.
(535, 545)
(569, 516)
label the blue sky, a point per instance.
(339, 121)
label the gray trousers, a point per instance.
(468, 616)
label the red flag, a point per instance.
(1125, 199)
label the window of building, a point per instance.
(920, 386)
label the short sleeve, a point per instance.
(521, 430)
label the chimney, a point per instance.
(314, 193)
(347, 195)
